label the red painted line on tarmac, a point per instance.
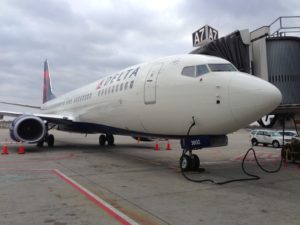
(122, 218)
(115, 213)
(68, 156)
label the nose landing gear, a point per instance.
(189, 162)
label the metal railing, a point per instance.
(285, 26)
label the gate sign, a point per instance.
(204, 35)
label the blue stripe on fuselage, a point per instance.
(91, 128)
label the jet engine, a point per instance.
(27, 128)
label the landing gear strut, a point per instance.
(109, 138)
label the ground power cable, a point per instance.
(250, 175)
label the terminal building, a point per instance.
(270, 52)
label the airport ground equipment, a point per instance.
(291, 151)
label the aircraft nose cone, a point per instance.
(251, 98)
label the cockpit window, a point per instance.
(188, 71)
(194, 71)
(221, 67)
(201, 69)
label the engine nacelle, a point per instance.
(27, 128)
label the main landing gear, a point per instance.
(109, 138)
(189, 161)
(49, 139)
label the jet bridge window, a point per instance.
(221, 67)
(194, 71)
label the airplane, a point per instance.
(195, 98)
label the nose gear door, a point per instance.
(151, 84)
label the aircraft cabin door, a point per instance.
(151, 84)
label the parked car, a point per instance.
(289, 133)
(270, 137)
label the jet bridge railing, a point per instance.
(285, 26)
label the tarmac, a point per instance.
(79, 182)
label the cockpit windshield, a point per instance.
(221, 67)
(194, 71)
(199, 70)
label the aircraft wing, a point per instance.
(52, 118)
(22, 105)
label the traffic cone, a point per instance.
(156, 146)
(168, 146)
(21, 149)
(4, 150)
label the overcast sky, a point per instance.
(86, 40)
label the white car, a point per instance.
(270, 137)
(289, 133)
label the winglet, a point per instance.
(47, 89)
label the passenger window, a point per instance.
(201, 69)
(188, 71)
(126, 85)
(121, 87)
(117, 88)
(112, 89)
(108, 92)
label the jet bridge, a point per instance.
(270, 52)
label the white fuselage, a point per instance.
(159, 100)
